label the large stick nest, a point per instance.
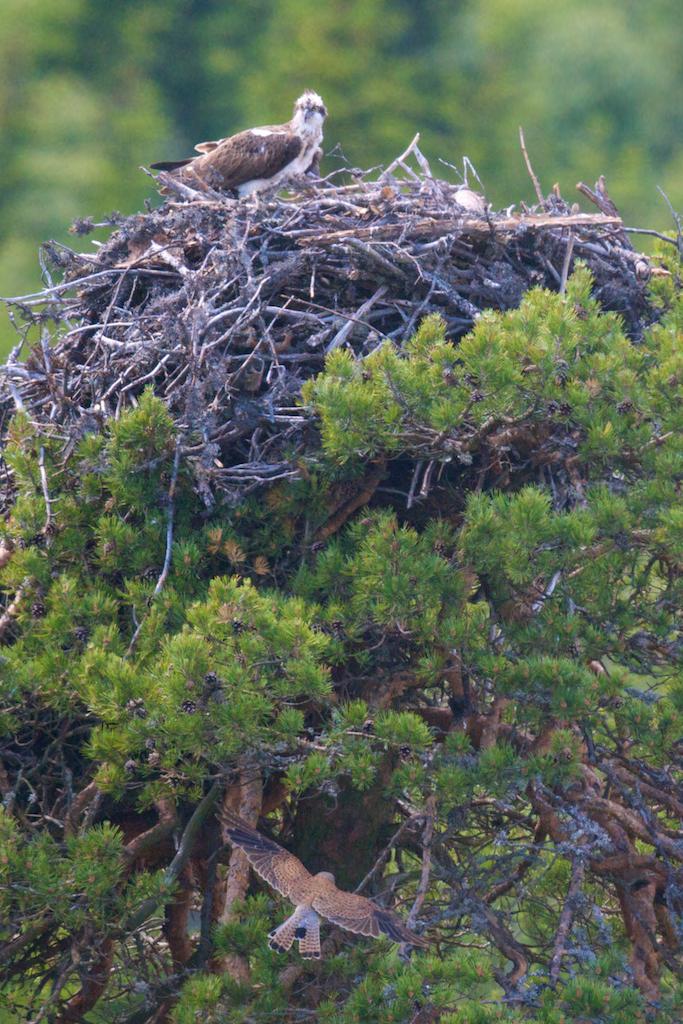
(225, 306)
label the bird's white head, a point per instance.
(309, 113)
(326, 874)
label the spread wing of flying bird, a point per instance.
(258, 158)
(314, 896)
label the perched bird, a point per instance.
(258, 158)
(314, 896)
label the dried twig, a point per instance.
(48, 529)
(384, 855)
(536, 183)
(430, 813)
(566, 264)
(395, 164)
(566, 918)
(676, 217)
(190, 833)
(163, 575)
(342, 334)
(12, 609)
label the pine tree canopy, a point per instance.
(437, 652)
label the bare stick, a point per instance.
(87, 795)
(163, 575)
(466, 226)
(173, 185)
(386, 851)
(413, 483)
(567, 261)
(400, 159)
(566, 918)
(197, 819)
(604, 202)
(380, 261)
(342, 334)
(169, 528)
(653, 234)
(48, 529)
(428, 835)
(12, 610)
(423, 162)
(676, 219)
(536, 183)
(6, 552)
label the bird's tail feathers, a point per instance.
(308, 935)
(242, 834)
(395, 929)
(281, 939)
(171, 165)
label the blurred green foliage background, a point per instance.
(92, 89)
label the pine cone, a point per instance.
(213, 688)
(334, 629)
(136, 707)
(189, 706)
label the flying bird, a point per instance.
(314, 896)
(258, 158)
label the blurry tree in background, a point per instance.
(90, 90)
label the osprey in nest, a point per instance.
(258, 158)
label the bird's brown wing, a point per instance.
(277, 866)
(359, 914)
(247, 156)
(208, 147)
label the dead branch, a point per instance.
(566, 918)
(49, 515)
(536, 183)
(245, 798)
(346, 510)
(163, 576)
(427, 836)
(12, 609)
